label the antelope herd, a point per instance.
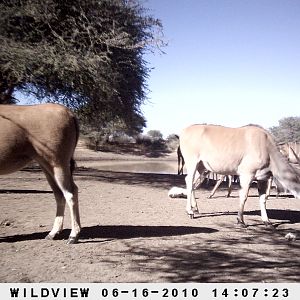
(49, 133)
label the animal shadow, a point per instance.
(110, 232)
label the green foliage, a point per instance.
(173, 141)
(287, 131)
(155, 135)
(86, 54)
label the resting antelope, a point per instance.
(248, 151)
(48, 134)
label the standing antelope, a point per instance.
(248, 151)
(219, 181)
(48, 134)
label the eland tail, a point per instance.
(288, 176)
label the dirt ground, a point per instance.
(132, 231)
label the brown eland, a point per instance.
(48, 134)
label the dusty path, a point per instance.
(132, 232)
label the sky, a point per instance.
(228, 62)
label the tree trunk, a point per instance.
(6, 93)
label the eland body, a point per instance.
(248, 151)
(48, 134)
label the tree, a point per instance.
(287, 131)
(172, 141)
(155, 135)
(86, 54)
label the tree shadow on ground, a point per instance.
(283, 216)
(158, 180)
(252, 256)
(23, 191)
(152, 150)
(128, 178)
(114, 232)
(291, 216)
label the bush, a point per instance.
(94, 139)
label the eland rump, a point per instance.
(48, 134)
(248, 151)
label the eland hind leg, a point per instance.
(245, 181)
(268, 192)
(191, 204)
(60, 207)
(193, 179)
(65, 190)
(180, 162)
(262, 186)
(219, 181)
(64, 180)
(229, 186)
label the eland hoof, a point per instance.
(72, 240)
(269, 225)
(191, 215)
(241, 224)
(50, 237)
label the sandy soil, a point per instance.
(132, 231)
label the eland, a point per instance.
(48, 134)
(248, 151)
